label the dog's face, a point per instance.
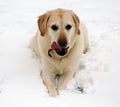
(60, 26)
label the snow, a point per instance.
(20, 81)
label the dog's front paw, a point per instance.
(61, 87)
(53, 93)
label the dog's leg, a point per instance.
(85, 37)
(86, 44)
(63, 80)
(48, 80)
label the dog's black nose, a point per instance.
(62, 43)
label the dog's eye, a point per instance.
(68, 27)
(54, 27)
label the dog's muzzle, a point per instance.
(58, 49)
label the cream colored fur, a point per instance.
(64, 66)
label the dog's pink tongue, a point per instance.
(54, 46)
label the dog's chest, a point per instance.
(60, 67)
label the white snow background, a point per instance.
(20, 81)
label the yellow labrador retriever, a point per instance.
(60, 41)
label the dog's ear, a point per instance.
(77, 23)
(42, 23)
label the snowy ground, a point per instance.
(20, 81)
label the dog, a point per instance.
(60, 41)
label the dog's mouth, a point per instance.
(62, 52)
(59, 50)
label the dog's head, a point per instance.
(61, 27)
